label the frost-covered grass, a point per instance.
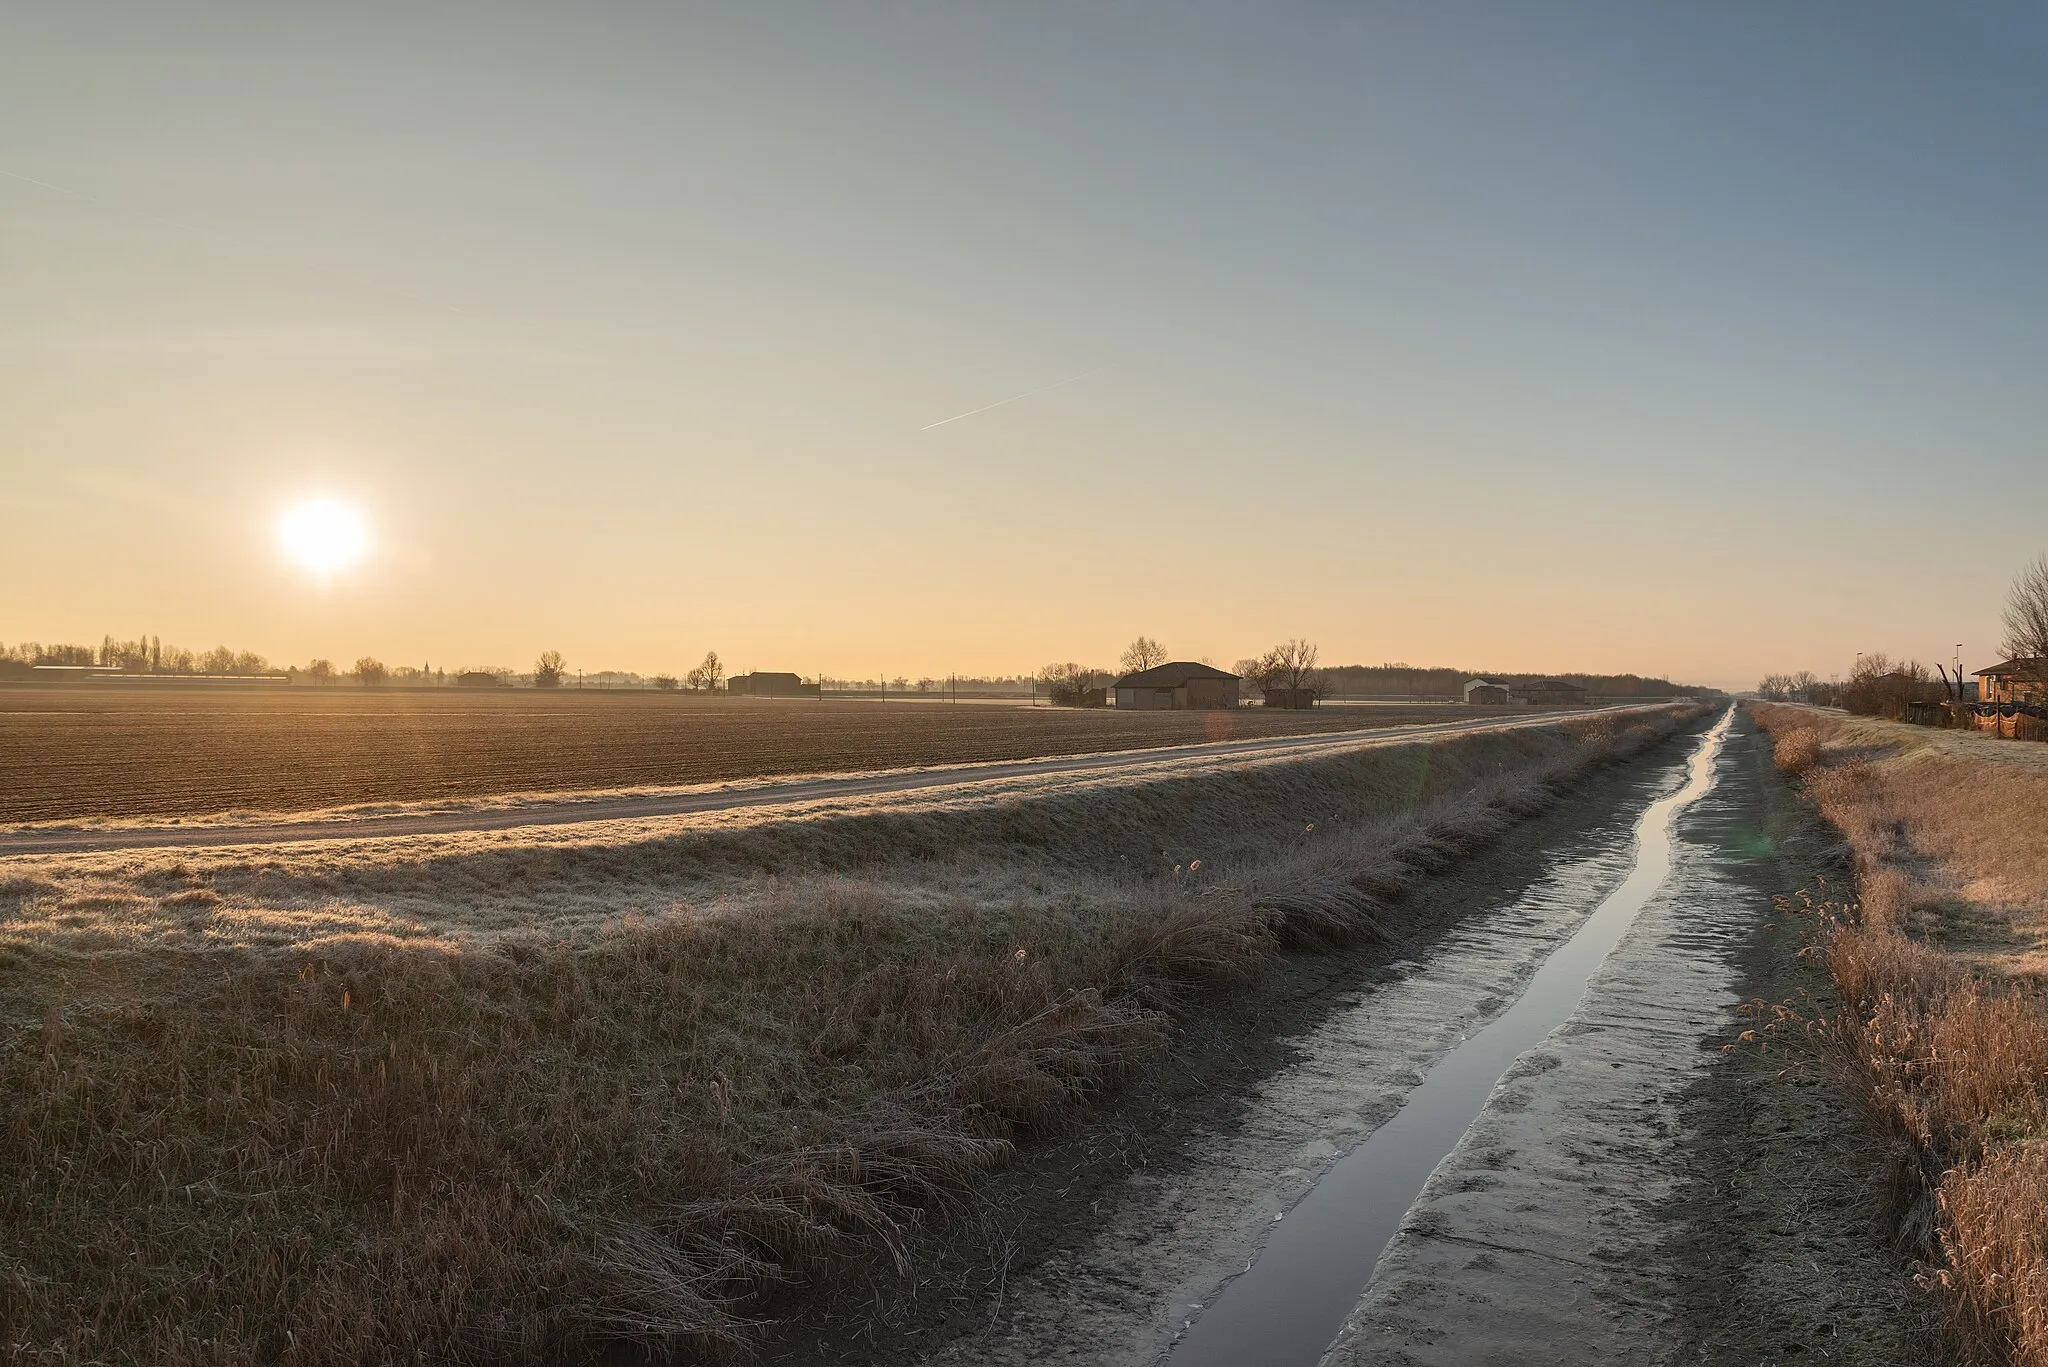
(492, 1101)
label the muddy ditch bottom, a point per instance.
(1291, 1302)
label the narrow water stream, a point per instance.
(1287, 1307)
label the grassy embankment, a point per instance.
(1940, 958)
(275, 1107)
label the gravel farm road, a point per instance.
(572, 809)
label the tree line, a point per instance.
(1881, 686)
(143, 655)
(148, 655)
(1293, 664)
(1296, 665)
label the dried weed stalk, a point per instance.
(1938, 961)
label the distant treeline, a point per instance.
(1438, 682)
(144, 655)
(149, 655)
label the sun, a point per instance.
(323, 535)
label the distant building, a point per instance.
(1177, 686)
(1295, 699)
(113, 675)
(761, 684)
(1551, 693)
(478, 678)
(2021, 680)
(1485, 693)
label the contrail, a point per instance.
(113, 208)
(1015, 397)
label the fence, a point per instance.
(2009, 720)
(2012, 725)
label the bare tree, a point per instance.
(665, 682)
(1141, 654)
(370, 672)
(1251, 675)
(1882, 687)
(1069, 684)
(1803, 686)
(1292, 665)
(704, 678)
(321, 672)
(547, 670)
(2026, 613)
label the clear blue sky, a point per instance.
(1692, 339)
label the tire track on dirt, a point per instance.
(572, 810)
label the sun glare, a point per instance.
(324, 536)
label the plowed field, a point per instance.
(82, 751)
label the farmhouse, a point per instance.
(1552, 693)
(1485, 693)
(761, 684)
(1178, 685)
(2020, 680)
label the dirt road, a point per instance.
(570, 809)
(149, 754)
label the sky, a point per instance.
(1698, 340)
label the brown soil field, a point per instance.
(68, 753)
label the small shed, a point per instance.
(1552, 693)
(1485, 693)
(763, 684)
(2024, 679)
(1176, 686)
(1294, 699)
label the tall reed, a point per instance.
(1951, 1045)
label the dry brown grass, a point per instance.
(68, 753)
(434, 1142)
(1939, 959)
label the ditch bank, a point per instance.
(627, 1095)
(1629, 1193)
